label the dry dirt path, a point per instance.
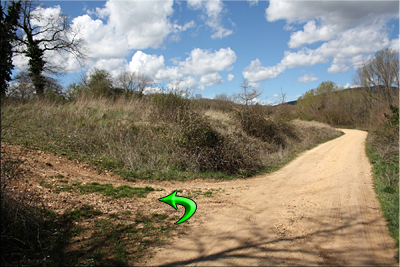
(318, 210)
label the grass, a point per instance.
(104, 189)
(382, 148)
(151, 140)
(115, 192)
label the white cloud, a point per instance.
(307, 78)
(213, 10)
(143, 24)
(252, 2)
(353, 43)
(112, 65)
(304, 57)
(275, 95)
(231, 77)
(312, 34)
(146, 64)
(288, 27)
(255, 72)
(202, 62)
(325, 19)
(124, 26)
(395, 44)
(346, 86)
(338, 65)
(350, 30)
(198, 70)
(210, 79)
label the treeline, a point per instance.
(377, 90)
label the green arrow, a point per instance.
(190, 205)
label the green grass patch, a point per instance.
(386, 175)
(104, 189)
(84, 212)
(115, 192)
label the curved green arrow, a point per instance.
(190, 205)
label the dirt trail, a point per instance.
(318, 210)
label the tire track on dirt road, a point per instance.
(320, 209)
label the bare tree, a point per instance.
(380, 72)
(249, 94)
(132, 83)
(223, 97)
(22, 87)
(39, 34)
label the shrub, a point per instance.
(271, 130)
(170, 107)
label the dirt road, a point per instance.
(318, 210)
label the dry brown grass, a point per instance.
(160, 137)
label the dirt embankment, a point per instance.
(318, 210)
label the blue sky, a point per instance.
(210, 46)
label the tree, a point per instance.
(99, 83)
(380, 74)
(23, 87)
(8, 28)
(249, 94)
(223, 97)
(132, 83)
(40, 34)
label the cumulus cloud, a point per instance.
(351, 45)
(325, 19)
(146, 64)
(213, 10)
(122, 26)
(350, 31)
(198, 70)
(113, 65)
(312, 34)
(350, 48)
(231, 77)
(202, 62)
(256, 72)
(210, 79)
(307, 78)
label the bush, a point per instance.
(383, 151)
(170, 107)
(271, 130)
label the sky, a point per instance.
(210, 46)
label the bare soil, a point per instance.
(320, 209)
